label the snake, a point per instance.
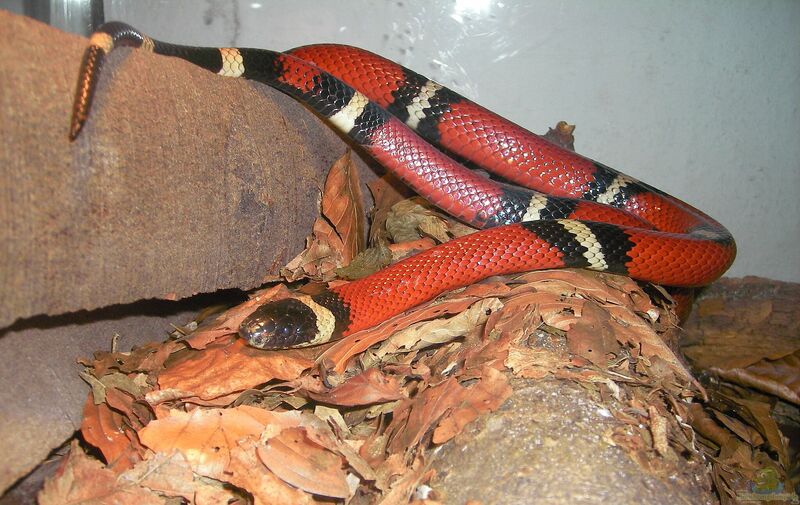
(546, 207)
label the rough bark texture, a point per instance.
(747, 331)
(738, 322)
(182, 182)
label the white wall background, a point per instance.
(700, 98)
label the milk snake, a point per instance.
(577, 212)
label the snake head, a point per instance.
(280, 325)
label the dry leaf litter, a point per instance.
(204, 419)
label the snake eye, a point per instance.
(279, 325)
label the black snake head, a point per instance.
(281, 324)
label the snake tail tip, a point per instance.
(77, 122)
(74, 131)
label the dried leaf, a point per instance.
(386, 191)
(534, 363)
(172, 476)
(366, 262)
(320, 259)
(107, 430)
(593, 337)
(333, 417)
(223, 369)
(562, 135)
(746, 433)
(147, 358)
(368, 387)
(415, 417)
(411, 219)
(706, 426)
(422, 335)
(81, 479)
(401, 490)
(207, 437)
(135, 385)
(319, 431)
(343, 205)
(658, 429)
(486, 395)
(303, 464)
(247, 472)
(779, 377)
(436, 228)
(760, 416)
(339, 235)
(222, 444)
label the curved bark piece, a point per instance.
(182, 182)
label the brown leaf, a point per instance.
(105, 429)
(133, 384)
(600, 287)
(298, 461)
(81, 479)
(207, 437)
(534, 363)
(592, 337)
(147, 358)
(320, 259)
(486, 395)
(745, 432)
(759, 414)
(171, 475)
(780, 377)
(222, 369)
(429, 333)
(368, 387)
(706, 426)
(655, 349)
(343, 205)
(401, 489)
(415, 417)
(221, 444)
(247, 472)
(366, 262)
(658, 430)
(386, 191)
(414, 218)
(320, 432)
(339, 234)
(562, 135)
(524, 311)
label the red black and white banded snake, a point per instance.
(576, 213)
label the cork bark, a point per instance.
(182, 182)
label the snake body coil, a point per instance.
(571, 212)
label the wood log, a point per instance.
(182, 182)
